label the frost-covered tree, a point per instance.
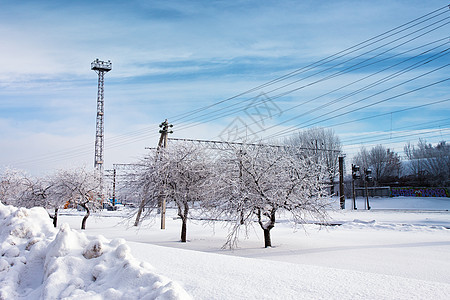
(384, 163)
(22, 190)
(362, 158)
(324, 145)
(80, 188)
(253, 184)
(13, 187)
(56, 194)
(430, 162)
(177, 174)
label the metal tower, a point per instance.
(100, 67)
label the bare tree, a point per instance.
(79, 187)
(324, 145)
(362, 158)
(430, 162)
(384, 163)
(255, 183)
(13, 187)
(177, 174)
(22, 190)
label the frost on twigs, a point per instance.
(252, 184)
(177, 175)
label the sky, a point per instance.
(215, 70)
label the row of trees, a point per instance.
(244, 185)
(77, 187)
(385, 164)
(427, 165)
(324, 146)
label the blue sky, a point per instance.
(173, 57)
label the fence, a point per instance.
(387, 191)
(419, 192)
(380, 191)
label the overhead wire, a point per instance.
(322, 61)
(387, 113)
(212, 117)
(392, 132)
(420, 135)
(388, 77)
(296, 127)
(142, 134)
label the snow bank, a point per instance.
(38, 262)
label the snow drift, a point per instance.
(39, 262)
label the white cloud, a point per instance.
(168, 58)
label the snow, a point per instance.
(40, 262)
(394, 251)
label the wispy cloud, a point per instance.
(170, 57)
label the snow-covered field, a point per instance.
(402, 252)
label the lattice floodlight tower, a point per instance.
(100, 67)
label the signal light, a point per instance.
(355, 172)
(368, 173)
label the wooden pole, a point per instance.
(161, 144)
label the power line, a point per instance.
(366, 106)
(396, 131)
(388, 113)
(349, 69)
(446, 133)
(322, 61)
(385, 79)
(344, 143)
(141, 134)
(402, 135)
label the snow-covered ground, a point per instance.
(402, 252)
(39, 262)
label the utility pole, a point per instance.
(164, 131)
(341, 182)
(163, 144)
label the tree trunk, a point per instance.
(183, 230)
(55, 218)
(332, 186)
(183, 213)
(140, 210)
(86, 216)
(267, 227)
(267, 241)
